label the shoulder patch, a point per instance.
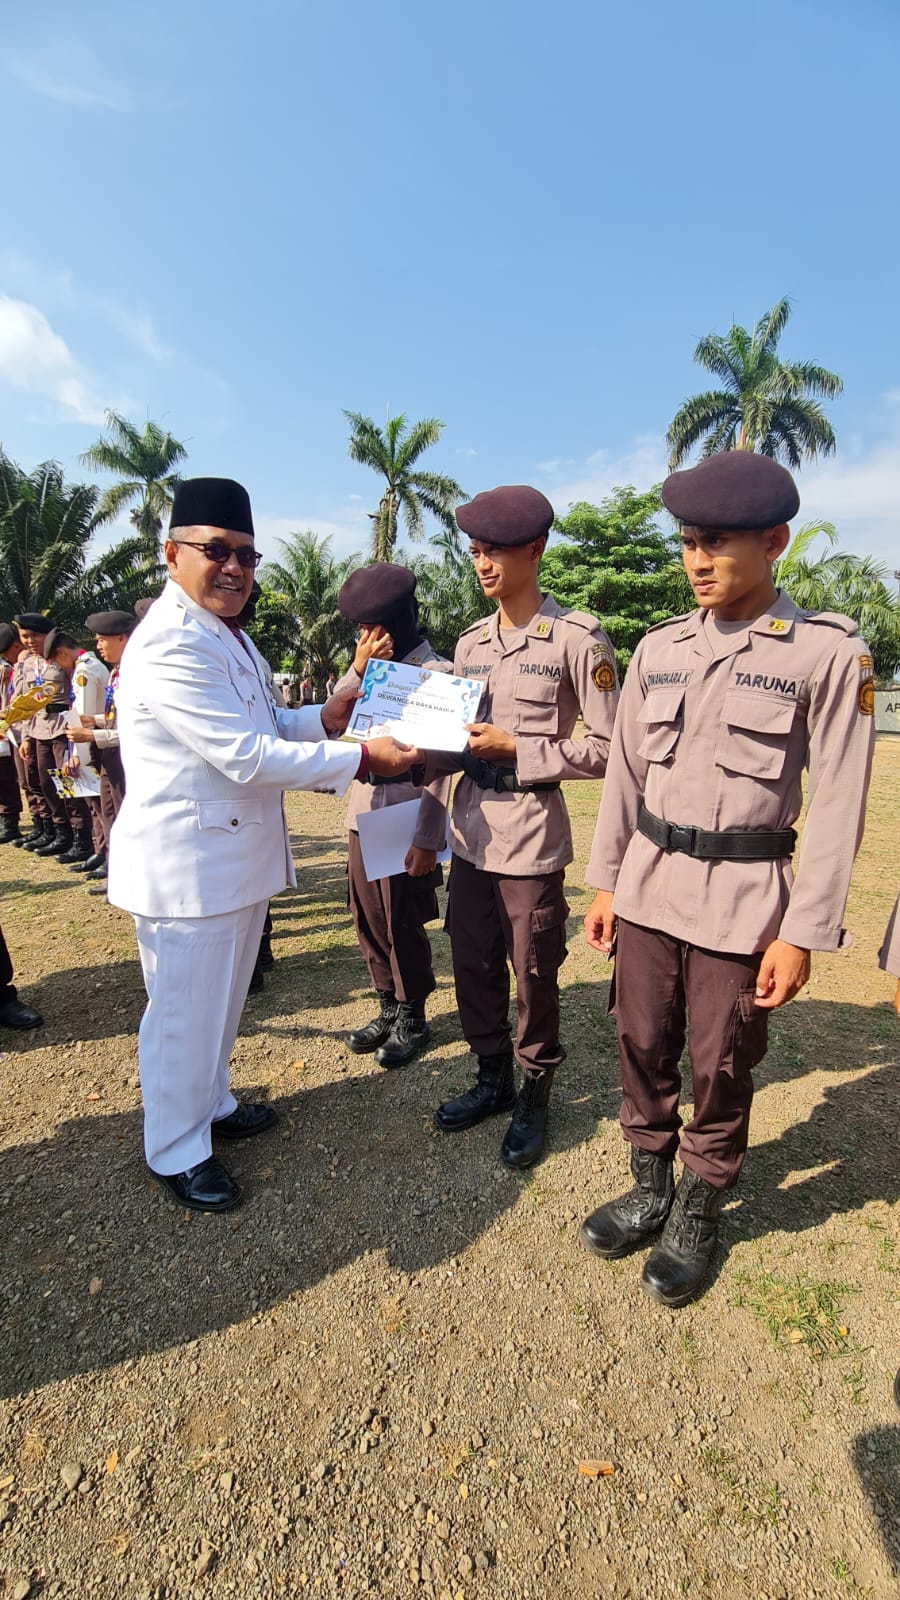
(603, 676)
(865, 698)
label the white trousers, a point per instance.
(197, 971)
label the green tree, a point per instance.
(275, 629)
(46, 528)
(766, 404)
(840, 581)
(619, 565)
(308, 577)
(449, 594)
(393, 453)
(145, 461)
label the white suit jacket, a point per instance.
(206, 754)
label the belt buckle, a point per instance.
(681, 838)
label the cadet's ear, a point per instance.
(777, 541)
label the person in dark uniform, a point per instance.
(13, 1012)
(11, 775)
(542, 667)
(112, 630)
(390, 914)
(28, 673)
(721, 712)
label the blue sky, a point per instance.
(240, 219)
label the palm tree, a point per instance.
(766, 404)
(46, 527)
(449, 594)
(309, 577)
(393, 453)
(855, 585)
(145, 462)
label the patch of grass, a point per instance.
(746, 1509)
(797, 1310)
(839, 1568)
(688, 1346)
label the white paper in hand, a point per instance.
(385, 837)
(426, 709)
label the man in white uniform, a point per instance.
(200, 843)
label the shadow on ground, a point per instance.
(876, 1456)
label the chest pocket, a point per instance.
(229, 815)
(754, 734)
(661, 722)
(536, 705)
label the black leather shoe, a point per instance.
(207, 1187)
(408, 1036)
(624, 1224)
(492, 1093)
(251, 1117)
(525, 1136)
(674, 1271)
(16, 1015)
(41, 833)
(98, 859)
(362, 1041)
(97, 888)
(97, 872)
(266, 958)
(58, 843)
(9, 831)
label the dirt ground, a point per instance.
(380, 1375)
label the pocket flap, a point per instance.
(544, 917)
(544, 690)
(229, 815)
(661, 705)
(759, 712)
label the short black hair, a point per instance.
(64, 640)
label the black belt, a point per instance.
(509, 780)
(380, 783)
(488, 775)
(730, 846)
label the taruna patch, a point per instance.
(759, 680)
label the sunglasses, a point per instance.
(218, 551)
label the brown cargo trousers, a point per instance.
(664, 990)
(492, 916)
(389, 916)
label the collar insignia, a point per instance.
(542, 628)
(777, 625)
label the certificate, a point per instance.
(385, 837)
(426, 709)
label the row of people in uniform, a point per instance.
(722, 710)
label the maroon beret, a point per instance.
(372, 593)
(514, 514)
(9, 635)
(735, 489)
(109, 624)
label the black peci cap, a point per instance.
(511, 515)
(212, 503)
(735, 489)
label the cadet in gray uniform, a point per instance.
(721, 712)
(390, 914)
(541, 665)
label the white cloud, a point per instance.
(56, 290)
(59, 86)
(858, 489)
(34, 358)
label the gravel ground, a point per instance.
(380, 1375)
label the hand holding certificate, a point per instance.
(415, 706)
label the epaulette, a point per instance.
(831, 619)
(669, 622)
(581, 619)
(481, 623)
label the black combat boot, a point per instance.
(362, 1041)
(621, 1225)
(31, 824)
(98, 859)
(493, 1092)
(9, 830)
(409, 1034)
(524, 1141)
(81, 849)
(41, 831)
(58, 843)
(675, 1269)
